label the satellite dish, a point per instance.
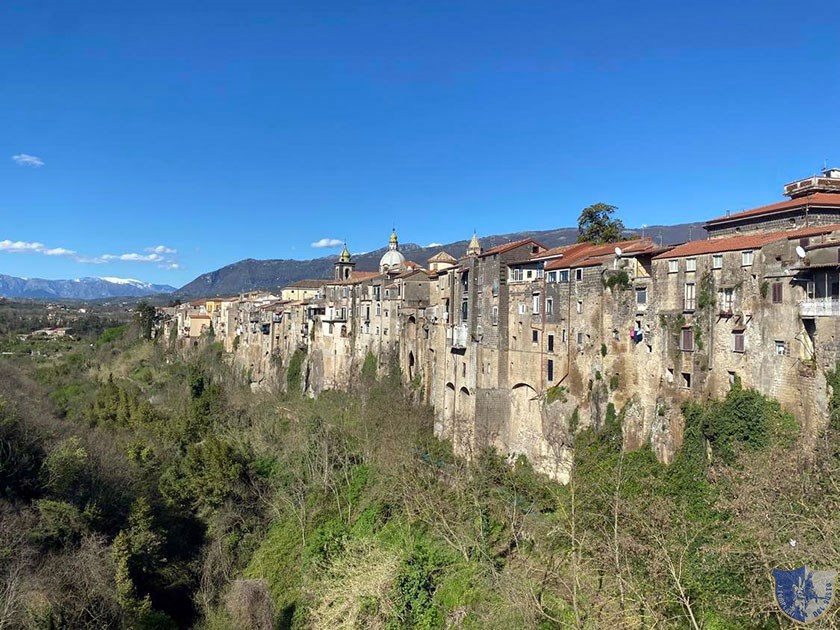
(618, 252)
(800, 251)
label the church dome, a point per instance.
(392, 260)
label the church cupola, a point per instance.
(393, 260)
(344, 266)
(474, 248)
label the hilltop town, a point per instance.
(519, 346)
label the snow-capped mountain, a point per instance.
(78, 289)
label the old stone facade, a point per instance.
(520, 346)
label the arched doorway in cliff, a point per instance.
(449, 401)
(464, 402)
(411, 328)
(411, 366)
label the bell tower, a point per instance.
(344, 266)
(474, 249)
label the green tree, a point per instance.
(596, 225)
(146, 317)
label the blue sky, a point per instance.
(160, 140)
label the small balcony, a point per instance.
(460, 336)
(820, 307)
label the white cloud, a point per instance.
(327, 242)
(161, 249)
(28, 160)
(34, 247)
(21, 246)
(133, 257)
(59, 251)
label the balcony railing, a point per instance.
(820, 307)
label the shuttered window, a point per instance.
(687, 340)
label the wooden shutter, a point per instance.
(687, 339)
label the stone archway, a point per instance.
(449, 402)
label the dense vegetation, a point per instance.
(143, 488)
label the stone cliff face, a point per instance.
(521, 347)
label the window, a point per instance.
(549, 306)
(673, 265)
(564, 275)
(516, 274)
(686, 380)
(580, 306)
(552, 276)
(733, 377)
(563, 335)
(529, 273)
(717, 261)
(777, 293)
(377, 295)
(550, 370)
(691, 264)
(578, 275)
(551, 343)
(535, 337)
(495, 316)
(464, 311)
(746, 258)
(379, 308)
(687, 339)
(690, 300)
(781, 348)
(738, 340)
(523, 308)
(580, 338)
(641, 295)
(727, 298)
(535, 304)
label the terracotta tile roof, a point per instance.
(356, 277)
(506, 247)
(747, 241)
(589, 255)
(554, 252)
(363, 275)
(442, 256)
(306, 284)
(815, 199)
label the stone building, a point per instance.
(518, 347)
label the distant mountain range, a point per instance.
(252, 275)
(79, 289)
